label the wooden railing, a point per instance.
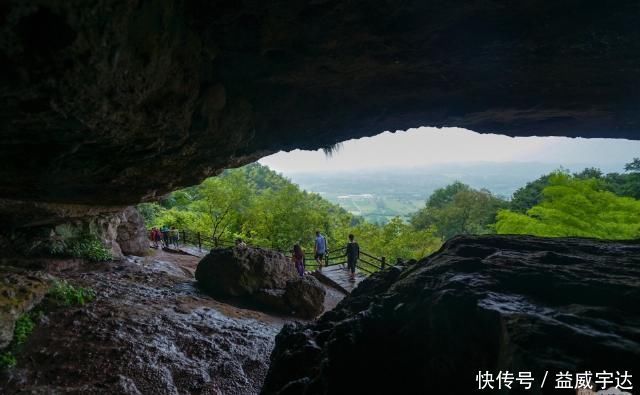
(336, 256)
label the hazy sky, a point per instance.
(428, 146)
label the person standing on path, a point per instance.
(165, 236)
(320, 249)
(174, 236)
(353, 254)
(298, 259)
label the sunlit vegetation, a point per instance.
(265, 209)
(574, 206)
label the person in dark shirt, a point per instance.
(353, 253)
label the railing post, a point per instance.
(326, 259)
(184, 238)
(199, 242)
(383, 262)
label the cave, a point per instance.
(101, 100)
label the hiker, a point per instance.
(353, 254)
(320, 248)
(240, 243)
(153, 236)
(298, 259)
(165, 235)
(174, 235)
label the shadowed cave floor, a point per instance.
(149, 331)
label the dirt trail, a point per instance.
(149, 331)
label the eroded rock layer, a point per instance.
(112, 102)
(480, 304)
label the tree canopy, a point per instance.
(572, 206)
(264, 208)
(458, 209)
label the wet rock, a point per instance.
(20, 291)
(272, 299)
(244, 271)
(485, 303)
(265, 277)
(131, 233)
(305, 296)
(157, 337)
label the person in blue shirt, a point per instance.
(321, 248)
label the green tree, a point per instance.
(458, 209)
(224, 202)
(528, 196)
(575, 207)
(633, 166)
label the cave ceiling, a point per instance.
(116, 102)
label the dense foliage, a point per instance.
(88, 247)
(458, 209)
(620, 184)
(574, 206)
(265, 209)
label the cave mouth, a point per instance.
(103, 107)
(430, 183)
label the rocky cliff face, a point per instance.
(122, 232)
(110, 103)
(480, 304)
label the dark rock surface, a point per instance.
(149, 331)
(265, 277)
(243, 271)
(100, 101)
(481, 303)
(305, 296)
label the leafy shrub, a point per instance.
(67, 294)
(24, 327)
(57, 247)
(7, 360)
(88, 247)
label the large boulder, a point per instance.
(305, 296)
(243, 271)
(492, 303)
(131, 233)
(266, 278)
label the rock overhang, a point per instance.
(112, 104)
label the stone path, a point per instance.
(338, 277)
